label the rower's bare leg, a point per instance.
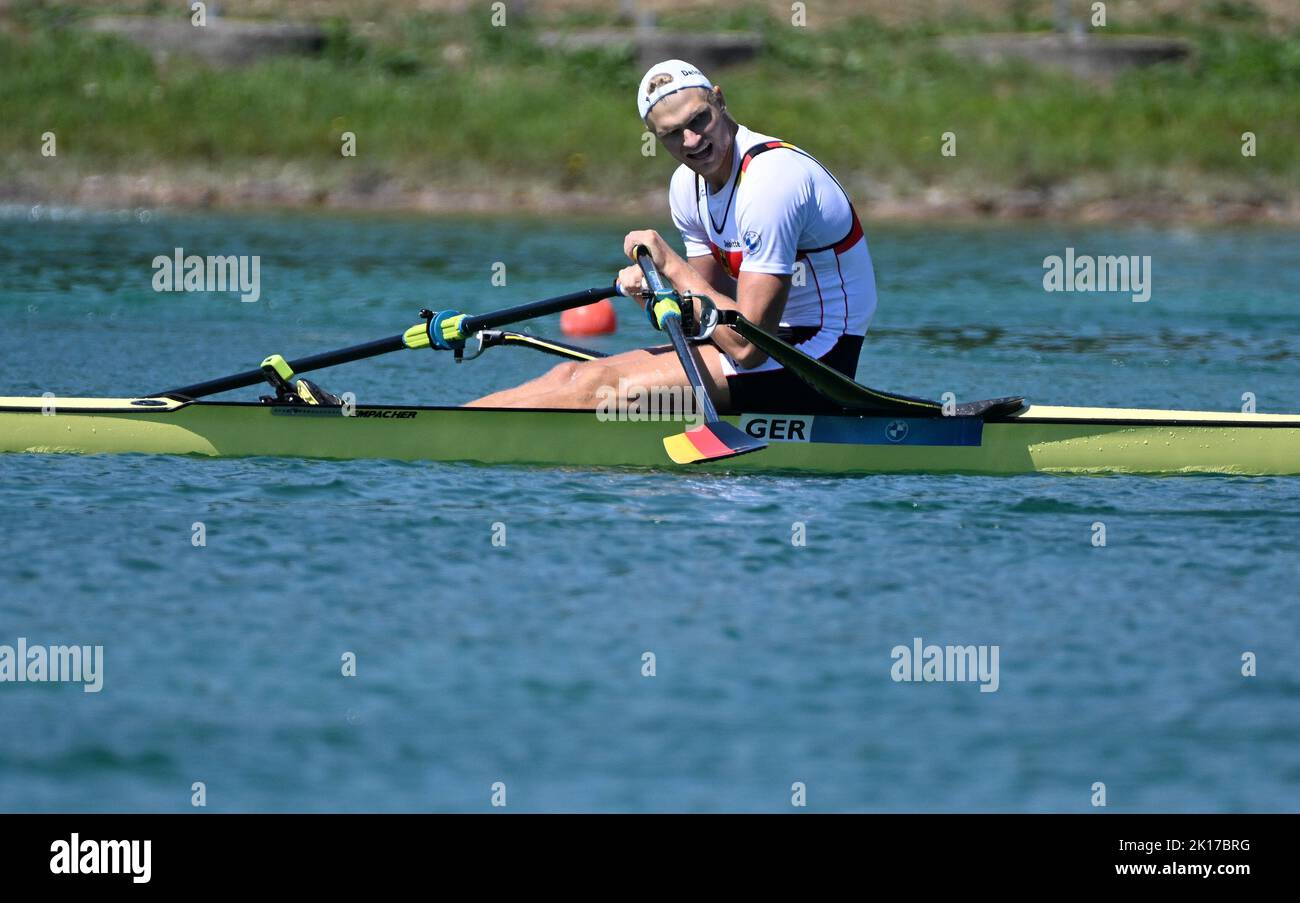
(583, 385)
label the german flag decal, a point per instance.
(710, 442)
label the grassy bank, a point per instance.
(452, 113)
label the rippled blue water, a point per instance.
(522, 664)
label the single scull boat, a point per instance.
(1049, 439)
(875, 432)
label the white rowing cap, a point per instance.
(671, 76)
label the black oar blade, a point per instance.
(710, 442)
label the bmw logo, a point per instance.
(896, 431)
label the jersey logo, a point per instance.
(753, 241)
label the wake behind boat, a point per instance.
(873, 431)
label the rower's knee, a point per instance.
(564, 373)
(585, 381)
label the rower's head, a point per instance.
(689, 115)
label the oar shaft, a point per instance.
(509, 315)
(828, 382)
(468, 326)
(302, 365)
(672, 324)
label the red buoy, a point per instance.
(594, 319)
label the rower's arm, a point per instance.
(714, 274)
(760, 297)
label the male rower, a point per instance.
(752, 210)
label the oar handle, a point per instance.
(647, 264)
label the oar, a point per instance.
(453, 326)
(850, 394)
(826, 380)
(714, 439)
(452, 329)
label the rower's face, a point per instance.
(694, 130)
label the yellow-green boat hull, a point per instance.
(1038, 439)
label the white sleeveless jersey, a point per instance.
(779, 211)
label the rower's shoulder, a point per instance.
(783, 156)
(683, 178)
(779, 171)
(682, 189)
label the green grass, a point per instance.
(498, 110)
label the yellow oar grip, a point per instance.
(416, 337)
(451, 328)
(665, 303)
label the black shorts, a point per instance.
(781, 392)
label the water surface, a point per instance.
(479, 663)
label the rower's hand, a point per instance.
(631, 280)
(655, 244)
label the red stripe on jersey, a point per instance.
(730, 261)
